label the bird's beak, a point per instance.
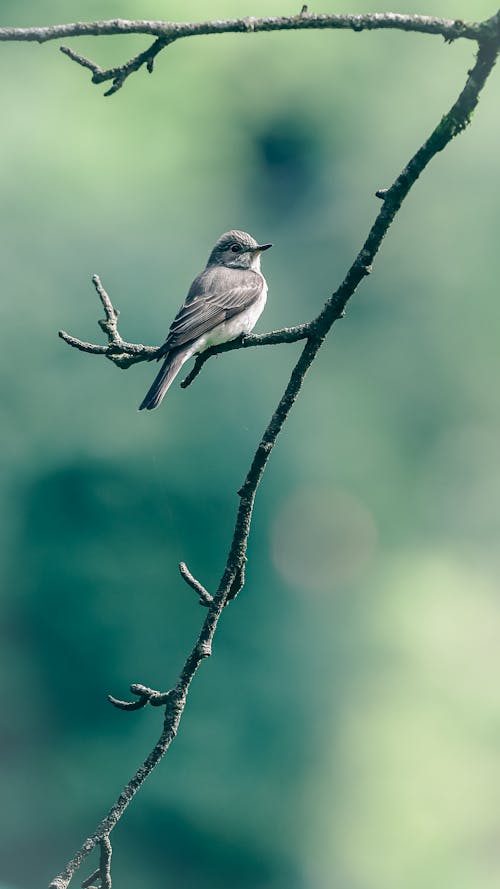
(262, 247)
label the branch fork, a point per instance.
(118, 351)
(103, 872)
(144, 696)
(166, 33)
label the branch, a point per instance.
(118, 351)
(125, 354)
(314, 333)
(165, 33)
(119, 75)
(275, 338)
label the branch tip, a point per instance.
(203, 594)
(111, 313)
(117, 85)
(145, 696)
(128, 705)
(81, 60)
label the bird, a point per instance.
(224, 302)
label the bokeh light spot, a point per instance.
(322, 538)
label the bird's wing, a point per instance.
(215, 295)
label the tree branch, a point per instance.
(118, 351)
(166, 33)
(314, 333)
(125, 354)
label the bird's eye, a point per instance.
(236, 248)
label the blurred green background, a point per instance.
(346, 733)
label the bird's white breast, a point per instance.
(234, 327)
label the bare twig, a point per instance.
(83, 61)
(166, 33)
(119, 75)
(204, 596)
(142, 700)
(118, 351)
(145, 696)
(109, 324)
(425, 24)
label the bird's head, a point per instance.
(237, 250)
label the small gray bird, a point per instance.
(223, 302)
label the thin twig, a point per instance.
(233, 576)
(118, 351)
(204, 596)
(109, 324)
(81, 60)
(129, 705)
(145, 696)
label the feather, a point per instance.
(169, 370)
(216, 295)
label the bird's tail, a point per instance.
(169, 370)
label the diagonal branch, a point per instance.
(233, 575)
(166, 33)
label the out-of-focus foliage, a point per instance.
(346, 732)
